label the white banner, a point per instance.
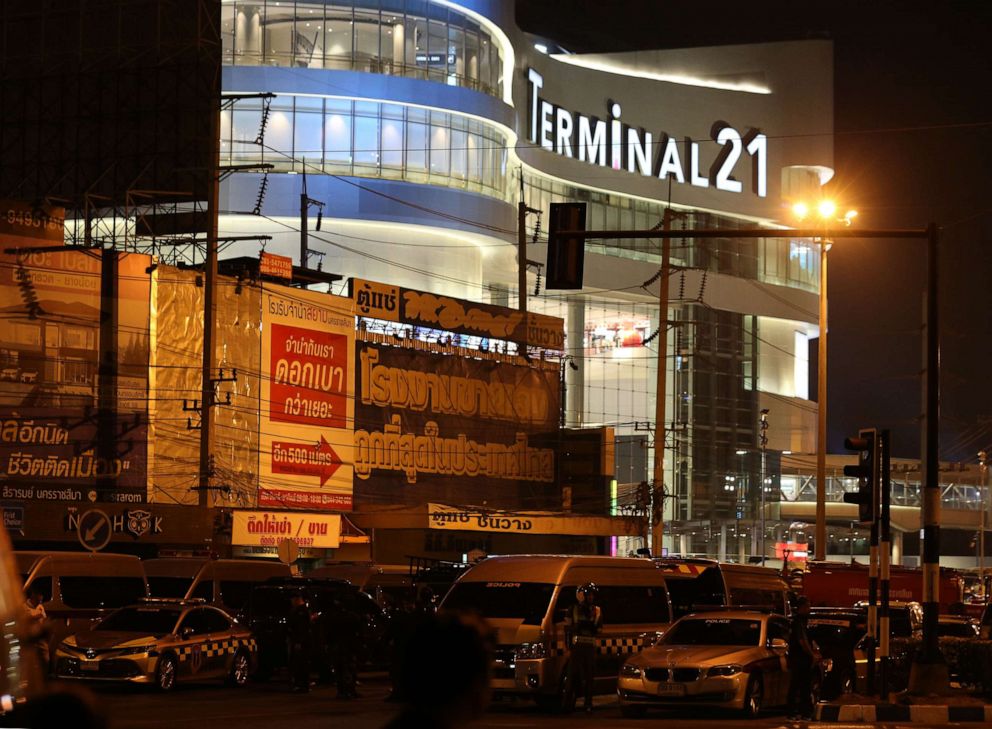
(440, 516)
(268, 528)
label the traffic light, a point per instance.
(866, 444)
(566, 255)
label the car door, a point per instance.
(195, 659)
(776, 666)
(220, 646)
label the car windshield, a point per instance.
(267, 603)
(526, 601)
(714, 631)
(169, 586)
(149, 620)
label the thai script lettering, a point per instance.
(369, 299)
(28, 432)
(307, 312)
(384, 386)
(290, 454)
(492, 522)
(308, 346)
(450, 314)
(393, 450)
(82, 466)
(270, 524)
(311, 375)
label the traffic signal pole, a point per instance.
(885, 555)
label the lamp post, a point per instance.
(764, 486)
(983, 470)
(826, 211)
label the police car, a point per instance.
(160, 642)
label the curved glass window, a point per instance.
(412, 38)
(367, 139)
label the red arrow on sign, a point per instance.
(305, 459)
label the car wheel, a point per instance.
(165, 673)
(240, 668)
(753, 697)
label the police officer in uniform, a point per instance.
(584, 625)
(803, 656)
(300, 637)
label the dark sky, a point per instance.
(913, 125)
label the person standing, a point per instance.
(38, 627)
(803, 656)
(585, 623)
(300, 636)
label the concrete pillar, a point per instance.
(722, 552)
(896, 547)
(575, 377)
(684, 544)
(399, 33)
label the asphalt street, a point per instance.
(269, 705)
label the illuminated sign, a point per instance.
(276, 266)
(613, 143)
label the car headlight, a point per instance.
(629, 670)
(730, 670)
(136, 650)
(531, 651)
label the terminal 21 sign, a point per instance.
(613, 143)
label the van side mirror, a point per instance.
(778, 644)
(186, 633)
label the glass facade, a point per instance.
(367, 139)
(793, 263)
(411, 38)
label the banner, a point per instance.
(446, 427)
(268, 528)
(50, 353)
(487, 321)
(453, 518)
(308, 344)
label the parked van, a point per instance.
(223, 583)
(700, 583)
(526, 600)
(389, 585)
(79, 588)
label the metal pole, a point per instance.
(820, 546)
(983, 470)
(885, 554)
(872, 605)
(522, 252)
(106, 434)
(931, 499)
(661, 387)
(764, 471)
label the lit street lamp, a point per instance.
(826, 212)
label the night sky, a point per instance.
(913, 144)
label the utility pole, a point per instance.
(983, 470)
(661, 386)
(764, 469)
(820, 546)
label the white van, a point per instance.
(223, 583)
(79, 588)
(526, 599)
(705, 583)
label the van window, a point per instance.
(168, 586)
(204, 590)
(86, 591)
(42, 585)
(234, 593)
(528, 601)
(688, 593)
(622, 604)
(750, 597)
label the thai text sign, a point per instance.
(440, 516)
(268, 528)
(276, 266)
(428, 425)
(417, 308)
(308, 342)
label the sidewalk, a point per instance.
(921, 713)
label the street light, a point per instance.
(826, 212)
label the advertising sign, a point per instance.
(308, 344)
(421, 309)
(270, 528)
(276, 266)
(438, 427)
(469, 520)
(50, 353)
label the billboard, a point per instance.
(308, 344)
(433, 311)
(448, 428)
(50, 359)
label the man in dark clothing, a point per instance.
(584, 625)
(345, 629)
(300, 636)
(803, 656)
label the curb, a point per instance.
(872, 713)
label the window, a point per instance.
(714, 631)
(623, 604)
(234, 593)
(87, 591)
(169, 586)
(150, 620)
(337, 133)
(527, 601)
(366, 134)
(42, 585)
(204, 590)
(337, 38)
(307, 131)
